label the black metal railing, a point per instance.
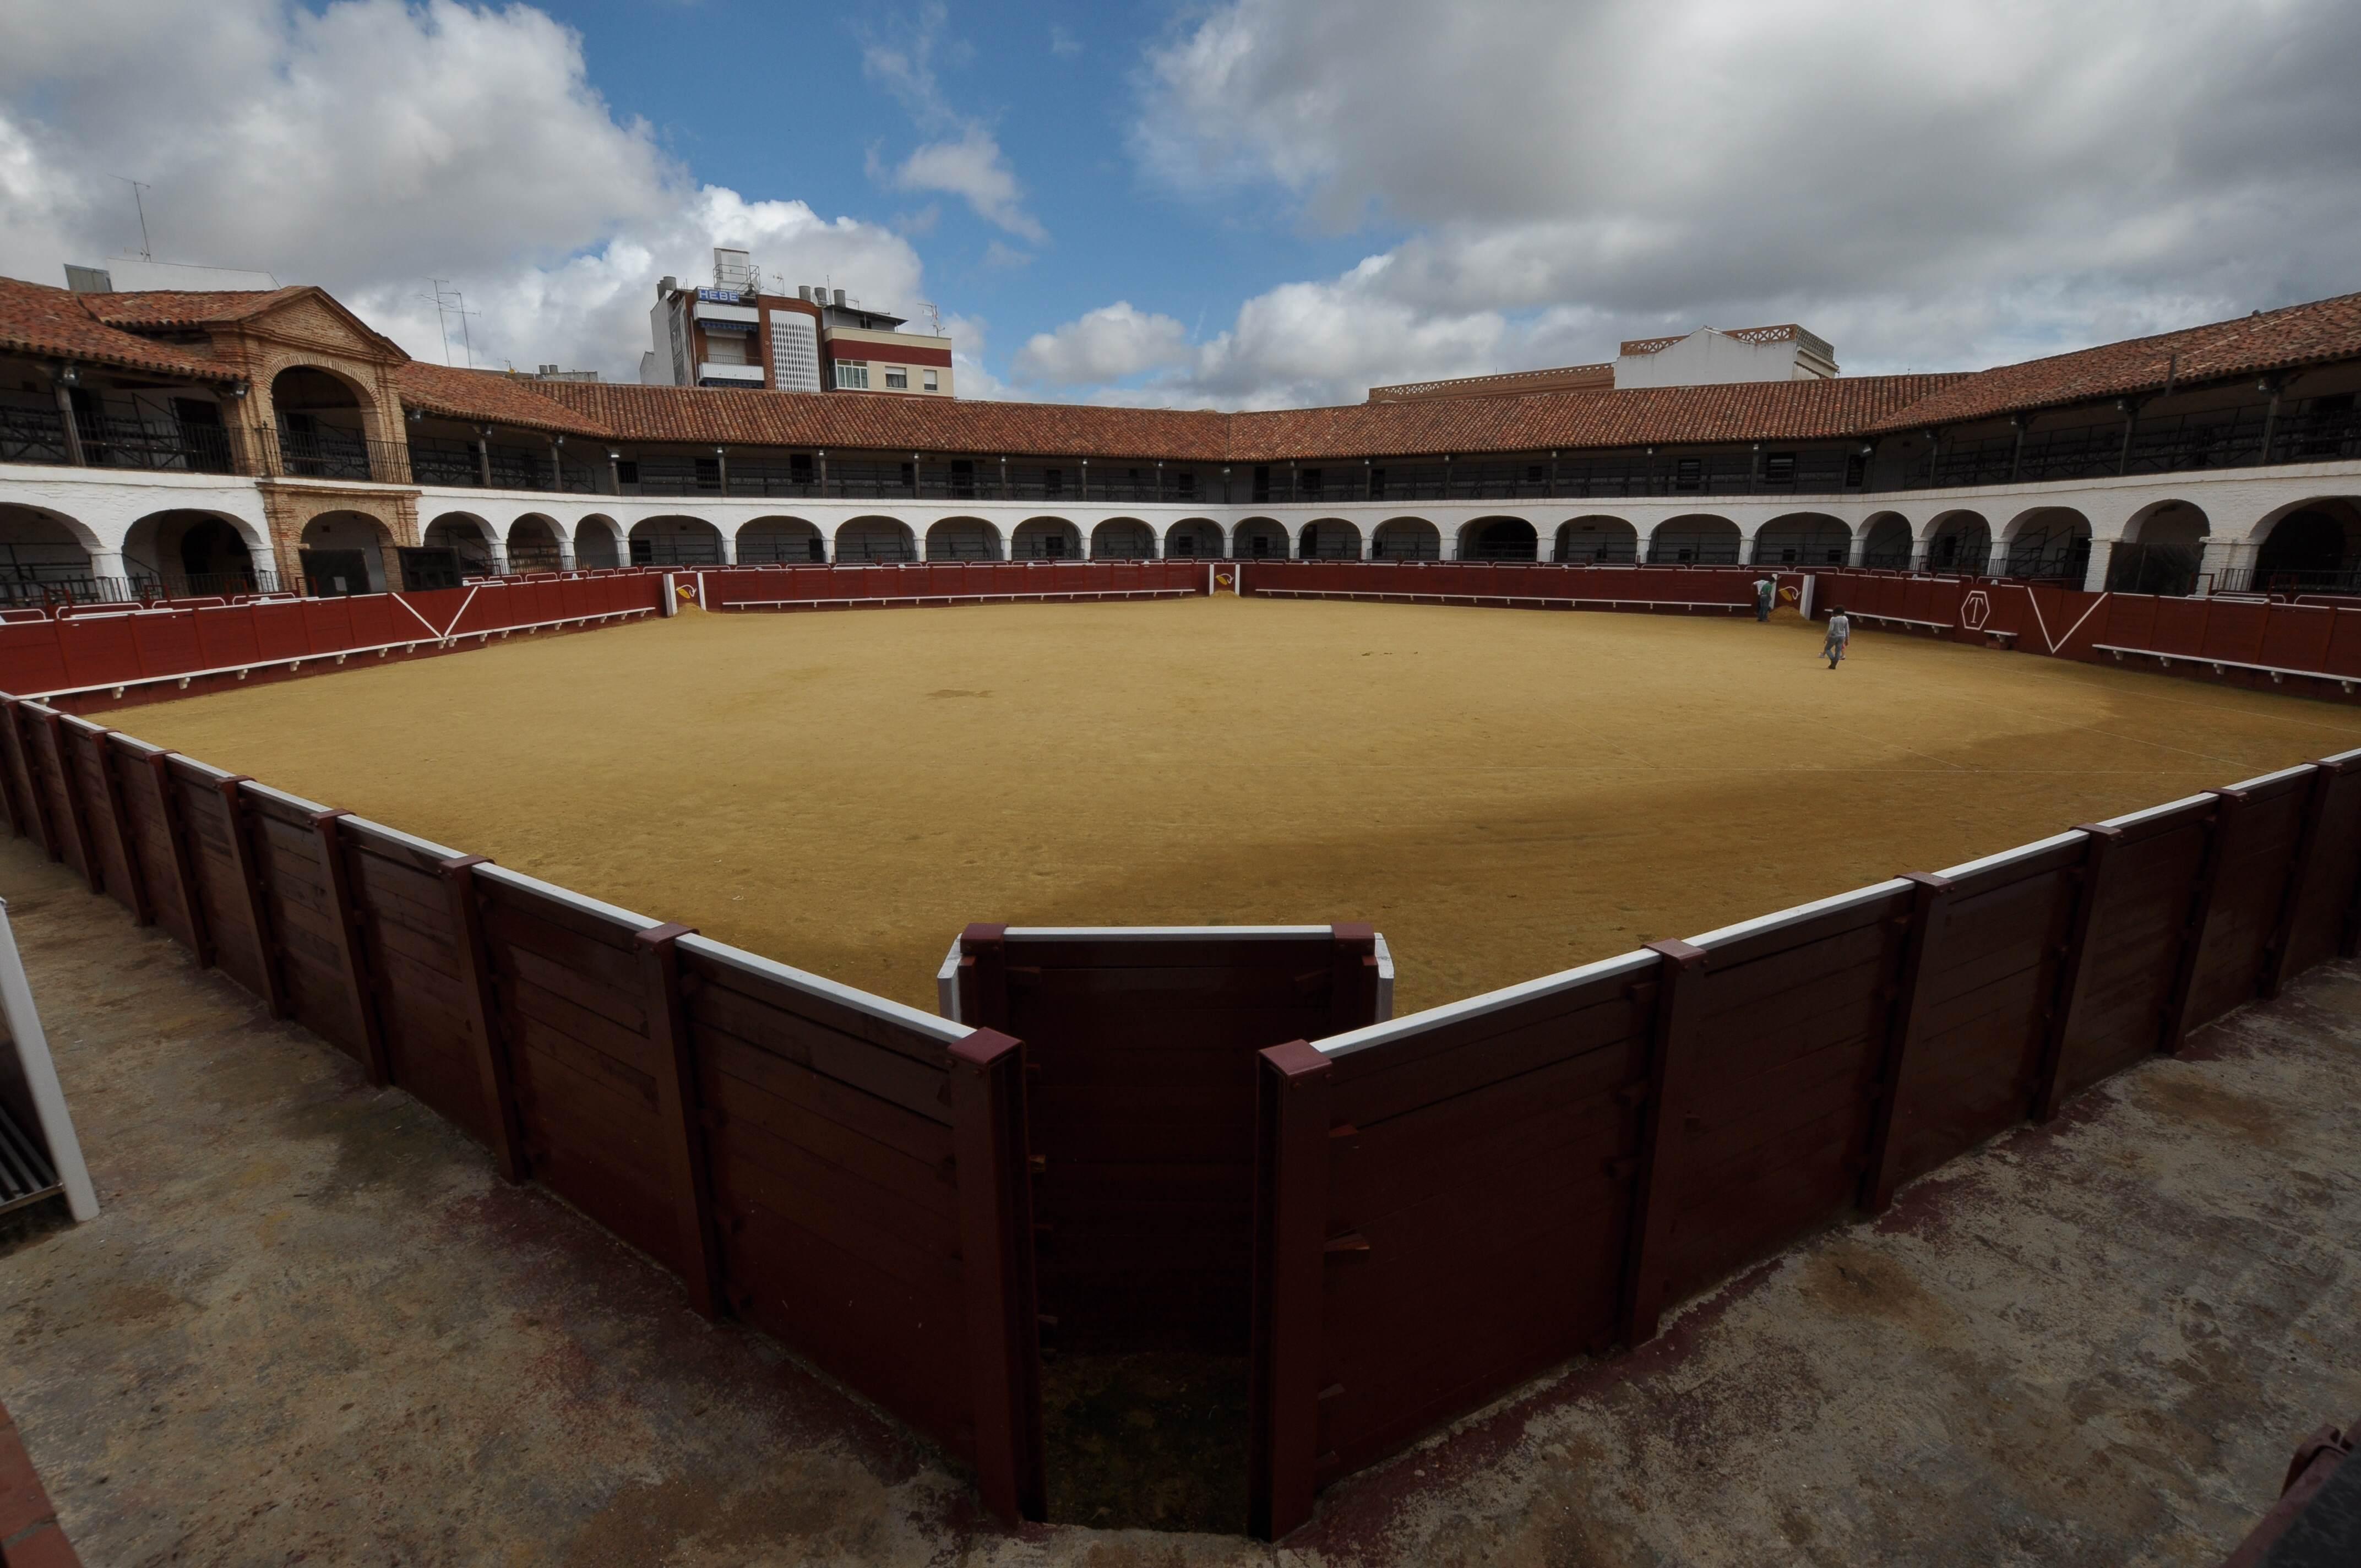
(334, 452)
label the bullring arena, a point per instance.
(1437, 1043)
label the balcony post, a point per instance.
(2272, 384)
(556, 462)
(722, 467)
(614, 472)
(2129, 408)
(822, 454)
(484, 456)
(63, 379)
(1004, 475)
(1086, 481)
(2016, 453)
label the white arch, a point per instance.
(1123, 538)
(873, 537)
(964, 537)
(1595, 536)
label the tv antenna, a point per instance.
(934, 317)
(448, 303)
(141, 207)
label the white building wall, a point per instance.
(1708, 358)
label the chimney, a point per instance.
(667, 288)
(804, 293)
(839, 299)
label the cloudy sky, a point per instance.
(1238, 204)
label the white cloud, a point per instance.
(1063, 43)
(1005, 256)
(370, 146)
(1110, 344)
(1931, 188)
(973, 170)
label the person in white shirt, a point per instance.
(1840, 637)
(1765, 590)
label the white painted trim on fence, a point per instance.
(1065, 595)
(2352, 756)
(811, 984)
(565, 896)
(1544, 601)
(1902, 621)
(1763, 924)
(1163, 933)
(294, 801)
(408, 841)
(1385, 980)
(1393, 1029)
(340, 654)
(2129, 818)
(32, 1049)
(218, 775)
(947, 984)
(2261, 779)
(2218, 665)
(2022, 853)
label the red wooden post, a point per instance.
(2074, 961)
(689, 1174)
(118, 806)
(1353, 988)
(990, 1148)
(258, 908)
(42, 819)
(184, 870)
(984, 976)
(1292, 1130)
(494, 1080)
(352, 954)
(2229, 813)
(1929, 917)
(77, 809)
(20, 820)
(1664, 1136)
(2300, 871)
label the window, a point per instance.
(1688, 473)
(897, 379)
(933, 384)
(1185, 486)
(1779, 468)
(724, 348)
(1377, 484)
(709, 473)
(1184, 545)
(1309, 480)
(1856, 470)
(799, 468)
(1053, 481)
(627, 471)
(1262, 484)
(852, 375)
(962, 477)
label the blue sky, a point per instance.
(1220, 202)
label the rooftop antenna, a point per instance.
(447, 302)
(442, 321)
(463, 312)
(137, 186)
(934, 317)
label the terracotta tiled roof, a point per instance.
(2250, 345)
(887, 421)
(1755, 411)
(489, 397)
(55, 324)
(173, 307)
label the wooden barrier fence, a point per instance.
(945, 583)
(1716, 590)
(1450, 1202)
(844, 1172)
(141, 652)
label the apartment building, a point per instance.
(736, 332)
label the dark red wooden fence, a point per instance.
(942, 583)
(1142, 1043)
(1715, 590)
(844, 1172)
(98, 658)
(1451, 1201)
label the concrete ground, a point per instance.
(309, 1325)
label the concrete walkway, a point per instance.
(311, 1326)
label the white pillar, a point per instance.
(1746, 543)
(1855, 551)
(2225, 560)
(106, 564)
(564, 552)
(729, 548)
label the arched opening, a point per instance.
(351, 552)
(1498, 539)
(2162, 551)
(533, 545)
(1193, 537)
(467, 537)
(1595, 540)
(962, 539)
(598, 542)
(875, 538)
(1122, 539)
(2314, 547)
(45, 556)
(1046, 539)
(1258, 539)
(2050, 545)
(675, 542)
(1959, 544)
(780, 541)
(1694, 540)
(1406, 539)
(1887, 544)
(321, 430)
(1330, 539)
(191, 553)
(1801, 539)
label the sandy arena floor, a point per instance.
(1504, 795)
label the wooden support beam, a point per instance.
(2300, 872)
(2073, 968)
(494, 1082)
(184, 866)
(258, 908)
(352, 950)
(2229, 814)
(991, 1147)
(1290, 1236)
(688, 1173)
(118, 807)
(1673, 1076)
(77, 809)
(983, 977)
(1929, 919)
